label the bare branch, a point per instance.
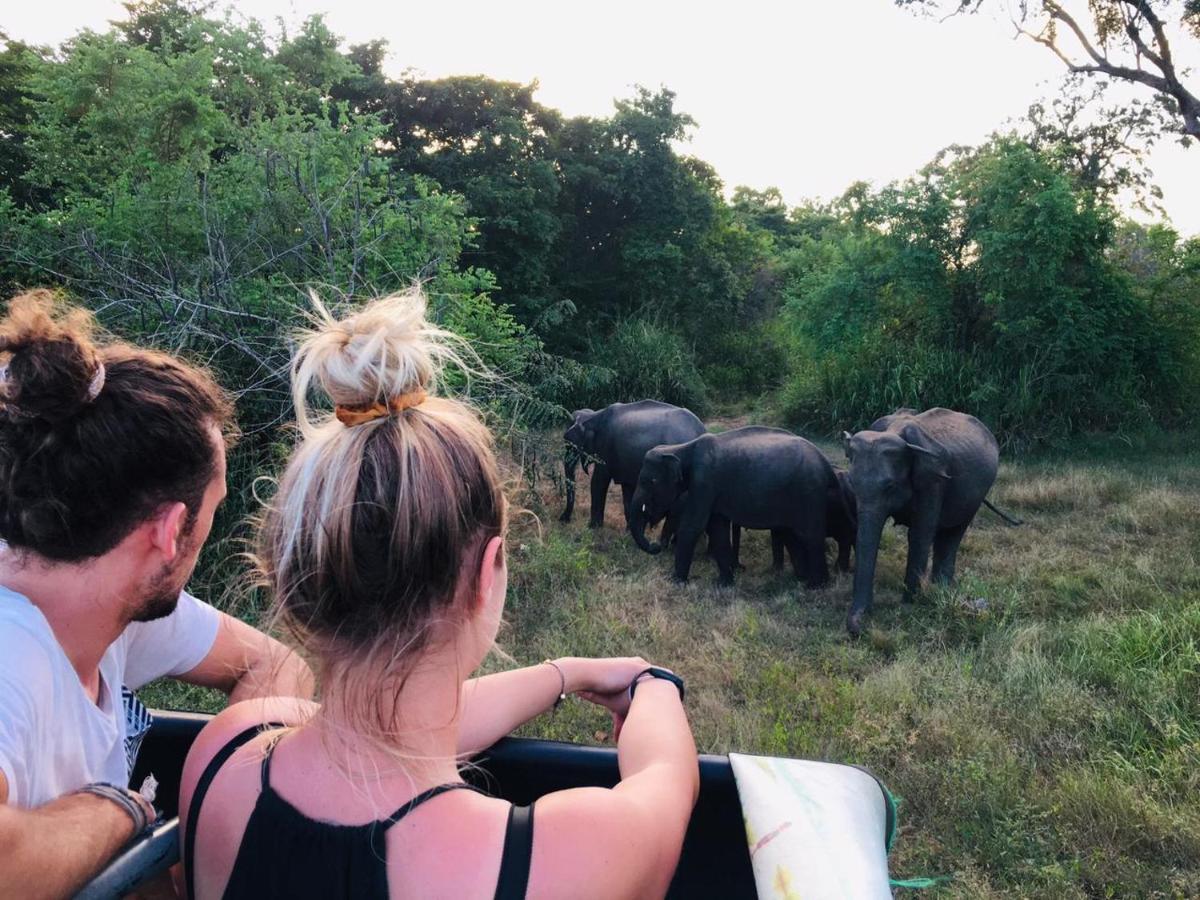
(1057, 12)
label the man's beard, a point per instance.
(161, 596)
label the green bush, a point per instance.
(989, 284)
(649, 362)
(749, 361)
(1019, 403)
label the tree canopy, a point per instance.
(190, 174)
(1127, 40)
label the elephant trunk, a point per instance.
(570, 459)
(637, 525)
(866, 551)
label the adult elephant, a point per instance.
(756, 476)
(614, 441)
(930, 471)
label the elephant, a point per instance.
(930, 471)
(615, 440)
(756, 476)
(840, 518)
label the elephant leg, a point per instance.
(570, 507)
(777, 541)
(945, 552)
(814, 559)
(570, 462)
(843, 557)
(685, 549)
(627, 498)
(920, 541)
(670, 526)
(795, 549)
(601, 479)
(718, 541)
(692, 522)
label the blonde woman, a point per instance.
(384, 548)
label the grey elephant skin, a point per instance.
(840, 527)
(757, 477)
(930, 471)
(614, 440)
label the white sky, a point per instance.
(807, 96)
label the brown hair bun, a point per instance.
(94, 438)
(52, 360)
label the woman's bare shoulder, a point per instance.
(232, 721)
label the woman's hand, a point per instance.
(604, 682)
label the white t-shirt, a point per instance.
(53, 738)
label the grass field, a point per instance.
(1047, 746)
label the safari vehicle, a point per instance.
(716, 859)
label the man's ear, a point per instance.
(166, 530)
(491, 570)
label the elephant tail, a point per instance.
(1005, 516)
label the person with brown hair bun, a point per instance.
(384, 550)
(112, 463)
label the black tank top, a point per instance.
(284, 853)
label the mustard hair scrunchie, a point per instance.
(357, 415)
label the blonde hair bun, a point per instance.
(385, 350)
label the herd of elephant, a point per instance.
(929, 471)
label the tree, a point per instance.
(161, 24)
(1126, 40)
(18, 63)
(992, 281)
(492, 142)
(1105, 148)
(190, 212)
(762, 209)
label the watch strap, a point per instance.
(656, 672)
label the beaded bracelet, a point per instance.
(123, 797)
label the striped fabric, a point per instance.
(137, 723)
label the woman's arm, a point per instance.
(623, 842)
(494, 705)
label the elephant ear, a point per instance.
(931, 461)
(846, 494)
(847, 437)
(587, 432)
(673, 468)
(574, 431)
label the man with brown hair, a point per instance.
(112, 464)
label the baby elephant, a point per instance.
(758, 477)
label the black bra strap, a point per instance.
(202, 786)
(518, 851)
(421, 798)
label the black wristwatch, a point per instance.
(658, 673)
